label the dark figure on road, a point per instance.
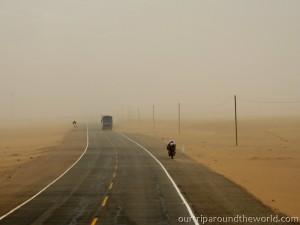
(171, 147)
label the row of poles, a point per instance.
(179, 118)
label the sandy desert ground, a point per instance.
(33, 154)
(266, 161)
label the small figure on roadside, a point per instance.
(75, 125)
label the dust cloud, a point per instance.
(75, 58)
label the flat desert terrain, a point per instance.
(33, 154)
(266, 161)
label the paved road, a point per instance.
(115, 182)
(118, 182)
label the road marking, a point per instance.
(110, 186)
(116, 167)
(94, 221)
(114, 175)
(104, 201)
(171, 179)
(41, 191)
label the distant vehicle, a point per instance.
(107, 122)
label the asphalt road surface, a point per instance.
(119, 182)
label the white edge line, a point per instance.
(169, 176)
(37, 194)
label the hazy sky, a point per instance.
(68, 57)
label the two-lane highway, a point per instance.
(130, 180)
(115, 182)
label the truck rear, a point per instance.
(107, 122)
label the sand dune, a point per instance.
(266, 161)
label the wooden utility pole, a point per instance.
(236, 132)
(138, 114)
(153, 118)
(179, 117)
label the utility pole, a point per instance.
(139, 114)
(179, 117)
(153, 117)
(236, 132)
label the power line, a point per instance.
(217, 105)
(268, 102)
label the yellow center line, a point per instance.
(94, 221)
(104, 201)
(110, 186)
(114, 175)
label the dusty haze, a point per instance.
(72, 58)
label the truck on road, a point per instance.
(107, 122)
